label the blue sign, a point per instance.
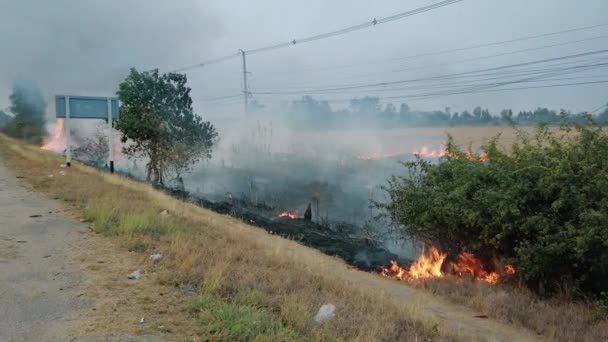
(86, 107)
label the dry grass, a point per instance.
(250, 286)
(559, 320)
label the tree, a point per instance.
(506, 115)
(28, 107)
(367, 105)
(157, 118)
(542, 206)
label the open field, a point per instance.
(247, 284)
(405, 140)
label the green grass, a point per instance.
(242, 318)
(112, 222)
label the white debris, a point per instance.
(164, 214)
(142, 320)
(51, 175)
(326, 312)
(156, 257)
(134, 275)
(62, 173)
(62, 166)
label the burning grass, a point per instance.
(494, 294)
(249, 285)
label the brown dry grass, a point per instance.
(224, 260)
(557, 319)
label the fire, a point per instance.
(429, 265)
(293, 216)
(56, 141)
(426, 152)
(468, 264)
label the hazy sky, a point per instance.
(86, 47)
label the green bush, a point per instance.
(542, 206)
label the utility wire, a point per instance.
(219, 98)
(346, 30)
(520, 71)
(353, 28)
(459, 61)
(598, 109)
(448, 76)
(425, 96)
(471, 47)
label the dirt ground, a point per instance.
(59, 281)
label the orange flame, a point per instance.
(292, 216)
(56, 141)
(429, 265)
(426, 152)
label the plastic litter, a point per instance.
(155, 257)
(134, 275)
(327, 311)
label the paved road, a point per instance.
(40, 292)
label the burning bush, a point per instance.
(542, 206)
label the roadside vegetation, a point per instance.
(540, 206)
(248, 284)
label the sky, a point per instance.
(87, 47)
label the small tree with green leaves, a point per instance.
(541, 206)
(158, 122)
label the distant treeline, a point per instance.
(311, 113)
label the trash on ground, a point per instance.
(156, 257)
(326, 312)
(134, 275)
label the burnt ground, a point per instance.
(366, 254)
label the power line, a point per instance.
(471, 47)
(598, 109)
(466, 59)
(448, 76)
(424, 96)
(213, 99)
(520, 71)
(208, 62)
(346, 30)
(353, 28)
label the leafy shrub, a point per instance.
(542, 206)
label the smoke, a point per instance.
(87, 47)
(27, 98)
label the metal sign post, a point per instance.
(86, 107)
(68, 133)
(110, 137)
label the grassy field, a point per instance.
(255, 286)
(250, 285)
(404, 140)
